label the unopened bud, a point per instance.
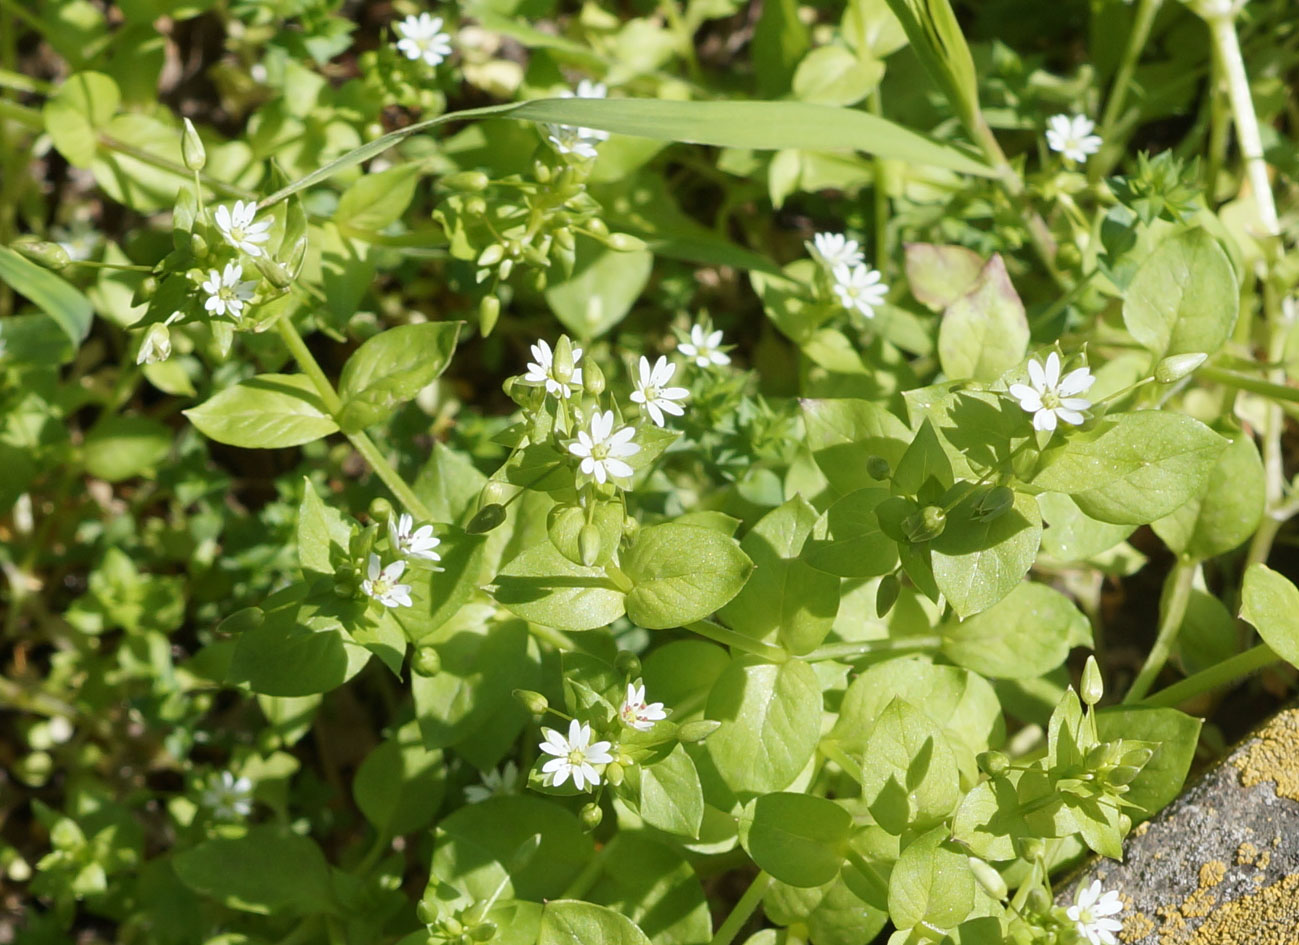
(488, 517)
(275, 274)
(43, 253)
(1137, 757)
(541, 172)
(628, 663)
(483, 932)
(427, 911)
(1039, 900)
(630, 525)
(491, 255)
(886, 595)
(489, 310)
(192, 151)
(588, 544)
(924, 525)
(1093, 686)
(597, 228)
(534, 702)
(156, 345)
(1172, 369)
(1123, 774)
(563, 362)
(697, 731)
(613, 773)
(988, 878)
(505, 268)
(380, 509)
(539, 280)
(994, 503)
(467, 181)
(475, 206)
(564, 238)
(427, 662)
(591, 815)
(66, 835)
(877, 467)
(624, 243)
(198, 246)
(592, 378)
(993, 763)
(1031, 848)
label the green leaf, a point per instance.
(297, 649)
(939, 275)
(84, 103)
(1160, 781)
(1027, 634)
(770, 717)
(681, 573)
(120, 447)
(50, 293)
(399, 785)
(844, 434)
(320, 531)
(984, 333)
(564, 525)
(391, 368)
(931, 884)
(797, 838)
(1229, 510)
(1072, 535)
(1140, 466)
(654, 886)
(978, 562)
(909, 778)
(574, 922)
(832, 75)
(1271, 603)
(543, 586)
(602, 289)
(378, 199)
(268, 871)
(855, 546)
(671, 797)
(264, 412)
(779, 39)
(924, 470)
(1184, 298)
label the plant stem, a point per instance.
(727, 637)
(1224, 673)
(1177, 594)
(732, 924)
(1246, 382)
(835, 651)
(333, 405)
(1141, 24)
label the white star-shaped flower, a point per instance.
(226, 295)
(575, 756)
(381, 584)
(1091, 913)
(835, 249)
(601, 450)
(417, 544)
(237, 226)
(634, 713)
(228, 797)
(859, 289)
(1072, 136)
(1050, 397)
(573, 139)
(704, 347)
(422, 38)
(542, 371)
(652, 390)
(495, 782)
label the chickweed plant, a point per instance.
(680, 473)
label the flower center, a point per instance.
(651, 393)
(382, 586)
(600, 451)
(576, 757)
(226, 292)
(1050, 399)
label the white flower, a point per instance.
(494, 782)
(1091, 911)
(156, 345)
(79, 240)
(600, 450)
(542, 371)
(859, 289)
(228, 797)
(226, 295)
(382, 584)
(652, 391)
(422, 38)
(408, 544)
(704, 347)
(574, 755)
(237, 226)
(573, 139)
(635, 713)
(835, 249)
(1072, 137)
(1051, 398)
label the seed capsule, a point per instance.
(192, 151)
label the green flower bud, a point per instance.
(495, 491)
(696, 731)
(492, 255)
(66, 835)
(427, 661)
(1039, 900)
(467, 181)
(541, 172)
(994, 503)
(588, 544)
(993, 763)
(1137, 757)
(624, 243)
(597, 227)
(1031, 848)
(563, 362)
(192, 151)
(198, 246)
(43, 253)
(483, 932)
(488, 517)
(380, 509)
(1172, 369)
(452, 926)
(1093, 686)
(145, 291)
(505, 268)
(489, 310)
(593, 379)
(1122, 775)
(475, 206)
(924, 525)
(877, 467)
(886, 595)
(534, 702)
(539, 280)
(156, 345)
(275, 274)
(613, 773)
(591, 816)
(628, 663)
(1068, 256)
(630, 525)
(1125, 824)
(564, 237)
(427, 911)
(1104, 755)
(988, 878)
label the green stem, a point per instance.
(556, 638)
(836, 651)
(218, 187)
(727, 637)
(1144, 20)
(12, 111)
(732, 924)
(1177, 594)
(1255, 385)
(21, 83)
(1215, 677)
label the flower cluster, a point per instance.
(856, 287)
(576, 756)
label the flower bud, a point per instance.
(630, 525)
(488, 517)
(1039, 900)
(924, 525)
(1031, 848)
(877, 467)
(627, 663)
(145, 291)
(156, 345)
(427, 911)
(1138, 757)
(198, 246)
(534, 702)
(539, 280)
(483, 932)
(563, 362)
(624, 243)
(593, 378)
(505, 268)
(1172, 369)
(1093, 686)
(66, 834)
(192, 151)
(988, 878)
(697, 731)
(564, 238)
(489, 310)
(588, 544)
(380, 509)
(597, 228)
(1104, 755)
(492, 255)
(886, 595)
(613, 773)
(993, 763)
(427, 661)
(994, 503)
(1125, 823)
(43, 253)
(275, 274)
(475, 206)
(1122, 775)
(591, 815)
(467, 181)
(541, 172)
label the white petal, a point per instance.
(1044, 420)
(1036, 376)
(1052, 369)
(1077, 381)
(616, 467)
(638, 397)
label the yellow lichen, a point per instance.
(1273, 755)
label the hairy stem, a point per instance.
(1177, 594)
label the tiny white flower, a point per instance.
(417, 544)
(381, 584)
(601, 450)
(542, 371)
(1051, 397)
(1091, 913)
(422, 38)
(859, 289)
(835, 249)
(495, 782)
(156, 345)
(226, 295)
(79, 240)
(573, 139)
(237, 226)
(228, 797)
(635, 713)
(652, 390)
(1072, 137)
(575, 756)
(704, 347)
